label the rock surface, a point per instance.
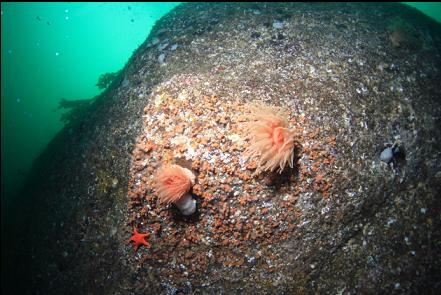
(361, 77)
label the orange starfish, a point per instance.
(139, 239)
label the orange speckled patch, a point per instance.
(237, 210)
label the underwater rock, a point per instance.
(339, 221)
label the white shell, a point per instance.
(186, 205)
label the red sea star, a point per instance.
(139, 239)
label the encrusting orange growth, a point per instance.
(269, 137)
(172, 185)
(230, 203)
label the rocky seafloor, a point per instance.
(349, 218)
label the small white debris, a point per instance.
(162, 46)
(391, 221)
(155, 41)
(210, 253)
(161, 58)
(277, 24)
(251, 259)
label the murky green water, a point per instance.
(58, 50)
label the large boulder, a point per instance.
(358, 214)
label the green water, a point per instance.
(58, 50)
